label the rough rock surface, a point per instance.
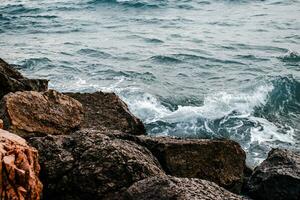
(172, 188)
(108, 110)
(88, 164)
(19, 169)
(33, 113)
(219, 161)
(11, 81)
(1, 124)
(278, 177)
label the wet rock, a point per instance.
(219, 161)
(11, 81)
(108, 110)
(19, 169)
(278, 177)
(172, 188)
(88, 164)
(33, 113)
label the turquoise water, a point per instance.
(190, 68)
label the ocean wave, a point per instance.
(133, 3)
(246, 116)
(291, 56)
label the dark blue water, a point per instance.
(190, 68)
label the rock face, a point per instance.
(172, 188)
(19, 169)
(90, 165)
(219, 161)
(33, 113)
(108, 110)
(11, 81)
(278, 177)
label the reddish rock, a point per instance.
(108, 110)
(172, 188)
(19, 169)
(33, 113)
(11, 81)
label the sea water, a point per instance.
(187, 68)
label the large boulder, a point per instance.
(219, 161)
(33, 113)
(89, 164)
(108, 110)
(19, 169)
(11, 81)
(172, 188)
(278, 177)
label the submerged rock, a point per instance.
(108, 110)
(19, 169)
(172, 188)
(11, 81)
(278, 177)
(90, 165)
(33, 113)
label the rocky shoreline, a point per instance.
(77, 146)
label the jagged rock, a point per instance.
(11, 81)
(88, 164)
(108, 110)
(33, 113)
(219, 161)
(172, 188)
(278, 177)
(19, 169)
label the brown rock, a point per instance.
(172, 188)
(88, 164)
(11, 81)
(19, 169)
(32, 113)
(219, 161)
(108, 110)
(278, 177)
(1, 124)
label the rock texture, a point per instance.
(19, 169)
(108, 110)
(1, 124)
(172, 188)
(278, 177)
(219, 161)
(90, 165)
(33, 113)
(11, 81)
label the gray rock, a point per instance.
(278, 177)
(11, 81)
(172, 188)
(90, 165)
(108, 110)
